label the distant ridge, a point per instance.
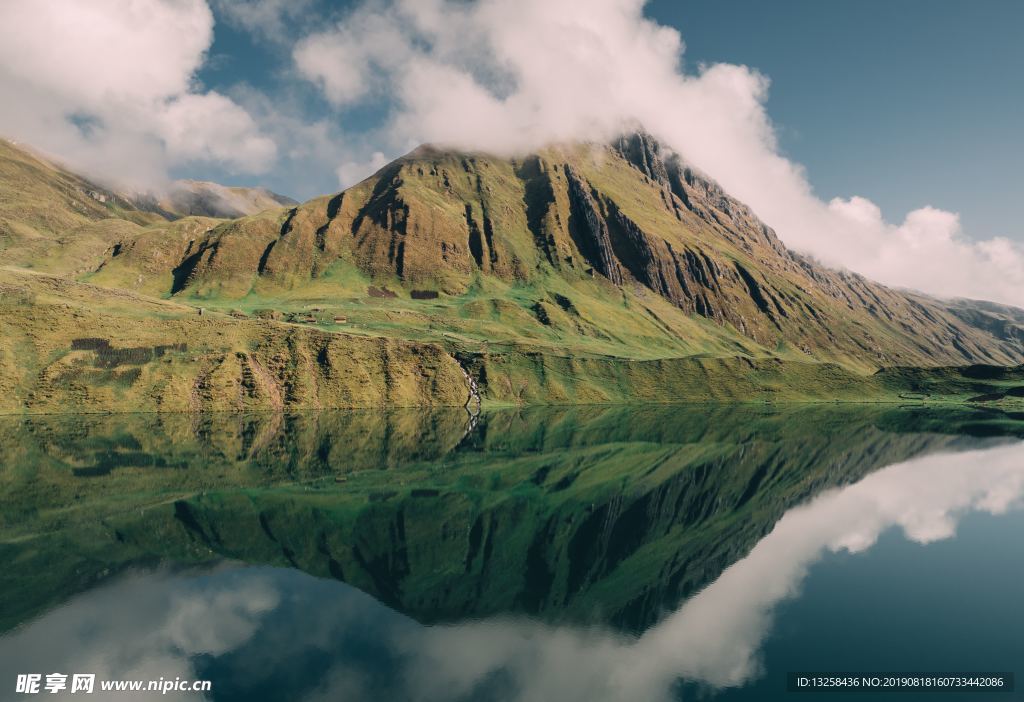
(55, 219)
(205, 199)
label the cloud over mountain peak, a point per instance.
(112, 88)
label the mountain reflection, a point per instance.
(568, 554)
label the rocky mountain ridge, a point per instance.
(624, 220)
(584, 273)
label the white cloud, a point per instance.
(348, 61)
(212, 127)
(309, 148)
(509, 76)
(267, 19)
(144, 626)
(126, 71)
(100, 51)
(351, 172)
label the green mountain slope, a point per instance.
(68, 346)
(582, 274)
(612, 249)
(55, 220)
(58, 221)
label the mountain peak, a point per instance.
(597, 246)
(580, 273)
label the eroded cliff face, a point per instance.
(627, 214)
(761, 284)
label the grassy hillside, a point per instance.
(55, 220)
(70, 346)
(581, 274)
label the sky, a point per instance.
(877, 136)
(928, 108)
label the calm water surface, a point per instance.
(670, 553)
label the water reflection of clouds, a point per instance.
(715, 636)
(144, 627)
(155, 625)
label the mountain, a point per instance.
(581, 273)
(55, 220)
(202, 198)
(616, 247)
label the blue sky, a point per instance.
(909, 103)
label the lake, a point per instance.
(587, 553)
